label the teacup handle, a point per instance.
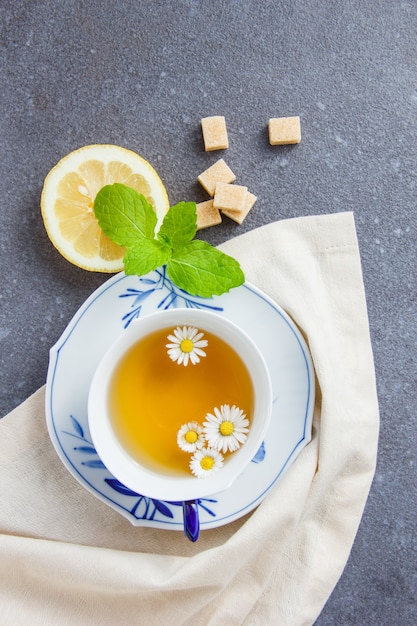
(191, 519)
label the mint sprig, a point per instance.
(129, 220)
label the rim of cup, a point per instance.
(139, 477)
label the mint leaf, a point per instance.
(179, 225)
(204, 271)
(145, 256)
(129, 220)
(124, 214)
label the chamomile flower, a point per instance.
(227, 429)
(190, 437)
(186, 345)
(206, 462)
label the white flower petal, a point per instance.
(178, 332)
(218, 413)
(194, 358)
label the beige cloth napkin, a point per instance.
(66, 558)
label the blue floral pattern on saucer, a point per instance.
(102, 318)
(143, 508)
(172, 296)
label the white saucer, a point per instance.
(101, 319)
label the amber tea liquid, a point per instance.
(151, 397)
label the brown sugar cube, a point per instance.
(219, 172)
(214, 133)
(207, 215)
(230, 197)
(284, 130)
(239, 216)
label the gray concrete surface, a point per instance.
(141, 75)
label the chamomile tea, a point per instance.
(170, 378)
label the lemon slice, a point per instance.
(68, 196)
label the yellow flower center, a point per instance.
(207, 462)
(226, 428)
(190, 436)
(186, 345)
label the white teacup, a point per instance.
(150, 481)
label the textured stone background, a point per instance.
(141, 75)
